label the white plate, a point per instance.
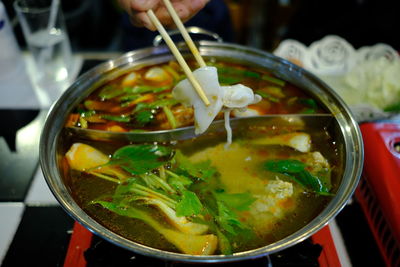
(333, 59)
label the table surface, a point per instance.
(34, 228)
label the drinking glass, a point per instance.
(10, 55)
(44, 30)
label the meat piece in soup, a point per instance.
(141, 100)
(196, 197)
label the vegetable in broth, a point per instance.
(142, 98)
(197, 197)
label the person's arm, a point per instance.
(137, 10)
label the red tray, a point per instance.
(379, 189)
(81, 240)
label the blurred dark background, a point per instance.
(100, 25)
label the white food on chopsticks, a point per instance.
(239, 96)
(236, 97)
(225, 98)
(185, 93)
(249, 112)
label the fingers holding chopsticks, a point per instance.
(137, 11)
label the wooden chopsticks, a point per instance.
(175, 50)
(185, 34)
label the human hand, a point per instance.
(137, 10)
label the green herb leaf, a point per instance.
(121, 118)
(311, 105)
(89, 104)
(123, 190)
(138, 159)
(237, 72)
(267, 96)
(239, 201)
(228, 220)
(274, 80)
(202, 170)
(156, 104)
(189, 204)
(205, 170)
(110, 92)
(313, 182)
(128, 211)
(230, 75)
(140, 89)
(163, 103)
(393, 108)
(86, 113)
(296, 171)
(179, 182)
(83, 123)
(227, 80)
(224, 244)
(251, 74)
(144, 117)
(284, 166)
(128, 98)
(308, 102)
(308, 111)
(141, 106)
(170, 117)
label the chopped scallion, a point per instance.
(121, 118)
(170, 117)
(274, 80)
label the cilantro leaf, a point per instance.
(138, 159)
(144, 117)
(228, 219)
(202, 170)
(141, 106)
(189, 204)
(239, 201)
(179, 182)
(123, 189)
(223, 243)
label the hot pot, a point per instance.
(345, 128)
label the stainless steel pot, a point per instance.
(346, 130)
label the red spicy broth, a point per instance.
(141, 99)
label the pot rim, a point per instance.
(348, 127)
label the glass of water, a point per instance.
(44, 30)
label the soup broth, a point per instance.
(141, 100)
(243, 197)
(199, 196)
